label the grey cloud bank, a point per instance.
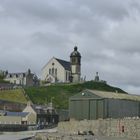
(106, 32)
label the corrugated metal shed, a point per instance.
(92, 104)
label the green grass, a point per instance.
(13, 95)
(1, 79)
(61, 92)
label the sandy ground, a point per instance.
(25, 134)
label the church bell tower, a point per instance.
(75, 60)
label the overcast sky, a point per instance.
(107, 33)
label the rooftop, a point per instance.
(65, 64)
(115, 95)
(8, 113)
(22, 114)
(103, 94)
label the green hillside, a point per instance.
(60, 93)
(13, 95)
(1, 79)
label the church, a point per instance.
(61, 71)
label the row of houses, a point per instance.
(21, 79)
(32, 115)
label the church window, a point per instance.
(52, 71)
(49, 71)
(55, 72)
(66, 75)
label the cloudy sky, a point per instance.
(107, 33)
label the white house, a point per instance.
(23, 79)
(57, 70)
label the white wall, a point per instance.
(16, 80)
(60, 70)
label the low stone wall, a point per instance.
(128, 127)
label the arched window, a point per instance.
(52, 71)
(55, 72)
(49, 71)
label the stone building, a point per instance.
(61, 71)
(23, 79)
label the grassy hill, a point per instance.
(1, 79)
(60, 93)
(13, 95)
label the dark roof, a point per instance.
(16, 74)
(23, 74)
(22, 114)
(65, 64)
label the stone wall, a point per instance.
(128, 127)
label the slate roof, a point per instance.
(22, 114)
(65, 64)
(16, 74)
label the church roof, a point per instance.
(65, 64)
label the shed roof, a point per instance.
(104, 94)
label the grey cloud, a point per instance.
(107, 33)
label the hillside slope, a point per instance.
(15, 95)
(60, 93)
(1, 79)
